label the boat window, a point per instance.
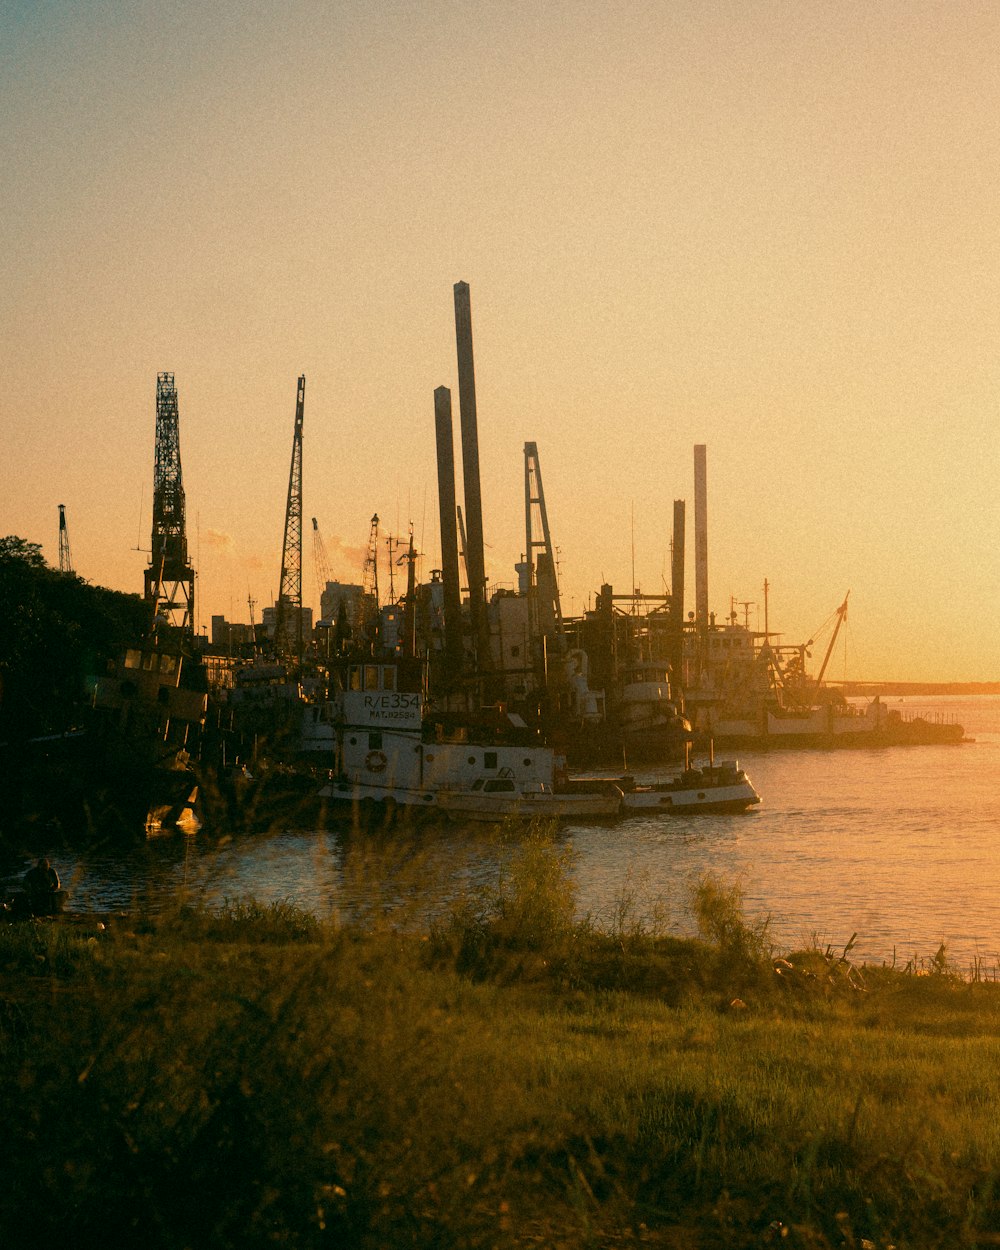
(375, 740)
(133, 659)
(389, 678)
(471, 759)
(168, 663)
(478, 784)
(489, 759)
(371, 676)
(149, 661)
(355, 677)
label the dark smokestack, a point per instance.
(475, 559)
(700, 537)
(677, 589)
(449, 531)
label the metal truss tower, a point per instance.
(546, 613)
(288, 617)
(65, 559)
(169, 580)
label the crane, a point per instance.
(290, 594)
(169, 580)
(65, 559)
(369, 586)
(322, 561)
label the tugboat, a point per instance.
(391, 758)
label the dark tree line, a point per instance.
(56, 631)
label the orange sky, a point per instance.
(767, 227)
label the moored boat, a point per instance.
(723, 787)
(500, 797)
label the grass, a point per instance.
(512, 1078)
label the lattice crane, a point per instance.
(288, 614)
(169, 580)
(65, 559)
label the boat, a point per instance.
(723, 787)
(500, 797)
(148, 712)
(393, 756)
(750, 693)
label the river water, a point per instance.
(900, 846)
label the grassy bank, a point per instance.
(513, 1078)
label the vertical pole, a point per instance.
(701, 538)
(677, 556)
(474, 554)
(449, 532)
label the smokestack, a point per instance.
(449, 530)
(475, 559)
(677, 589)
(700, 538)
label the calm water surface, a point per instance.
(899, 845)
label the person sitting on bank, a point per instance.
(42, 884)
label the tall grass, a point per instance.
(514, 1078)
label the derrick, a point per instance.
(288, 613)
(169, 579)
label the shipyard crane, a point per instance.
(543, 589)
(65, 559)
(841, 617)
(169, 580)
(367, 623)
(322, 561)
(288, 614)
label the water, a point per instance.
(898, 845)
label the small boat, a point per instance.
(495, 798)
(721, 787)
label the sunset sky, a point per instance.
(772, 228)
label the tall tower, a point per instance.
(288, 618)
(65, 559)
(169, 580)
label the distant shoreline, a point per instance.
(856, 689)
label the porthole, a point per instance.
(471, 759)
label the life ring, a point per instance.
(375, 761)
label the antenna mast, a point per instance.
(288, 634)
(65, 559)
(169, 580)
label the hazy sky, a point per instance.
(773, 228)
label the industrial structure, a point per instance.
(169, 579)
(288, 633)
(65, 559)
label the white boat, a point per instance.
(390, 756)
(499, 797)
(721, 787)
